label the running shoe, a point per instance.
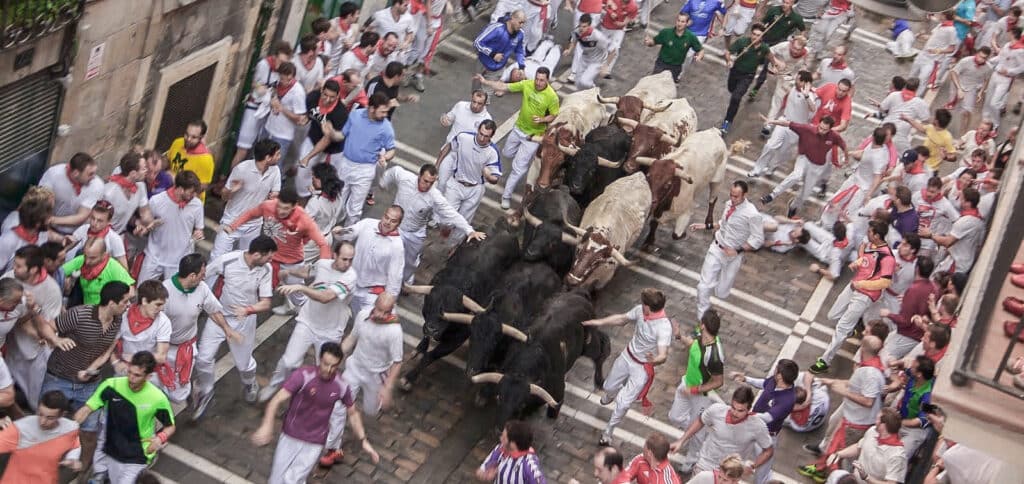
(812, 471)
(506, 204)
(767, 198)
(252, 391)
(766, 131)
(606, 399)
(819, 367)
(417, 83)
(331, 457)
(752, 94)
(724, 128)
(813, 449)
(267, 392)
(606, 441)
(202, 403)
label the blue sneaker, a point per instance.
(724, 128)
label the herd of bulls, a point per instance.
(519, 297)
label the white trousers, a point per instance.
(151, 269)
(899, 346)
(737, 20)
(520, 148)
(763, 474)
(625, 381)
(359, 381)
(996, 98)
(848, 308)
(304, 174)
(912, 438)
(805, 172)
(293, 460)
(685, 409)
(825, 27)
(615, 37)
(585, 72)
(923, 68)
(237, 239)
(505, 6)
(533, 31)
(180, 392)
(413, 244)
(464, 199)
(358, 178)
(885, 301)
(209, 343)
(27, 372)
(120, 472)
(689, 55)
(781, 145)
(250, 128)
(903, 46)
(717, 274)
(783, 84)
(846, 206)
(301, 340)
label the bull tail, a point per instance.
(739, 147)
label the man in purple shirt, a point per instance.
(513, 460)
(317, 394)
(905, 218)
(773, 406)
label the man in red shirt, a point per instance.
(651, 466)
(874, 269)
(836, 100)
(914, 305)
(292, 228)
(617, 14)
(816, 147)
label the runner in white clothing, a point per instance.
(1008, 65)
(257, 104)
(76, 189)
(898, 103)
(937, 51)
(397, 19)
(547, 54)
(970, 78)
(934, 211)
(592, 60)
(812, 404)
(730, 430)
(246, 292)
(250, 183)
(323, 317)
(835, 68)
(357, 57)
(126, 192)
(964, 238)
(865, 180)
(379, 259)
(376, 350)
(632, 374)
(466, 115)
(144, 328)
(796, 106)
(324, 207)
(309, 67)
(471, 159)
(287, 108)
(99, 228)
(420, 201)
(181, 224)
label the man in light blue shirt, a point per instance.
(369, 141)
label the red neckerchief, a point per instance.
(272, 61)
(948, 321)
(42, 277)
(729, 418)
(26, 234)
(90, 272)
(1019, 44)
(841, 244)
(200, 149)
(517, 454)
(586, 33)
(803, 52)
(344, 26)
(907, 95)
(838, 66)
(655, 315)
(308, 65)
(892, 439)
(417, 7)
(380, 47)
(732, 209)
(979, 140)
(123, 181)
(361, 54)
(970, 212)
(924, 196)
(935, 357)
(325, 110)
(983, 169)
(99, 234)
(173, 195)
(1011, 22)
(138, 323)
(874, 362)
(282, 89)
(393, 233)
(916, 168)
(74, 183)
(390, 318)
(946, 23)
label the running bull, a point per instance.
(597, 164)
(578, 114)
(659, 133)
(652, 93)
(544, 237)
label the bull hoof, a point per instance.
(552, 412)
(679, 237)
(404, 384)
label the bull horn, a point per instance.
(489, 377)
(574, 228)
(568, 239)
(627, 122)
(605, 162)
(682, 174)
(461, 318)
(672, 140)
(570, 150)
(657, 108)
(645, 160)
(621, 259)
(543, 394)
(514, 333)
(607, 100)
(473, 305)
(414, 289)
(531, 218)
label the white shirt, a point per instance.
(894, 105)
(66, 201)
(420, 206)
(869, 382)
(964, 465)
(376, 63)
(380, 259)
(336, 49)
(723, 439)
(743, 226)
(256, 187)
(262, 75)
(243, 285)
(172, 240)
(10, 221)
(829, 74)
(470, 158)
(331, 318)
(124, 205)
(799, 106)
(183, 309)
(873, 163)
(5, 375)
(278, 125)
(324, 212)
(50, 299)
(147, 339)
(970, 143)
(942, 37)
(350, 61)
(1010, 60)
(793, 64)
(308, 78)
(378, 345)
(593, 49)
(464, 119)
(648, 335)
(113, 241)
(9, 318)
(10, 242)
(970, 234)
(972, 76)
(938, 216)
(882, 462)
(383, 22)
(903, 275)
(779, 240)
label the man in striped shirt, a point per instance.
(513, 461)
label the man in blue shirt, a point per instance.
(703, 14)
(369, 141)
(497, 43)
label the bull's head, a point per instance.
(582, 167)
(486, 334)
(593, 250)
(514, 393)
(547, 237)
(439, 302)
(551, 151)
(649, 141)
(632, 107)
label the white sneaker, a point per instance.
(252, 390)
(202, 402)
(506, 204)
(267, 392)
(606, 399)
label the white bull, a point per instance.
(654, 93)
(675, 178)
(658, 133)
(610, 225)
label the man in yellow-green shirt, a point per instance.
(540, 106)
(937, 139)
(189, 153)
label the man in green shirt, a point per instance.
(705, 371)
(743, 58)
(96, 268)
(540, 106)
(782, 21)
(675, 43)
(134, 405)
